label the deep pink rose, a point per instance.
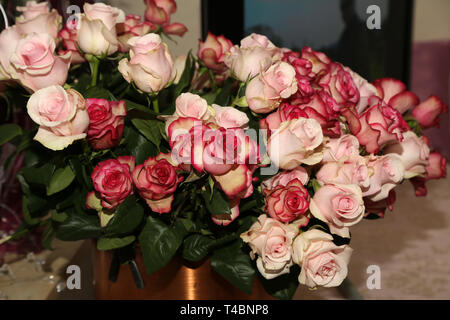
(319, 61)
(393, 92)
(427, 112)
(212, 52)
(156, 181)
(112, 181)
(340, 85)
(284, 177)
(68, 36)
(159, 12)
(435, 169)
(106, 122)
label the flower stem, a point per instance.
(94, 62)
(155, 105)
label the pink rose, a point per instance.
(97, 33)
(156, 181)
(341, 149)
(229, 117)
(354, 171)
(339, 83)
(61, 115)
(413, 152)
(9, 38)
(106, 122)
(132, 27)
(427, 112)
(159, 12)
(68, 36)
(339, 205)
(112, 182)
(212, 52)
(435, 169)
(265, 92)
(284, 177)
(226, 219)
(37, 18)
(150, 66)
(255, 54)
(388, 172)
(34, 64)
(284, 113)
(319, 61)
(287, 203)
(378, 125)
(295, 142)
(365, 88)
(323, 263)
(393, 92)
(303, 67)
(271, 240)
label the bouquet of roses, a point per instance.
(256, 157)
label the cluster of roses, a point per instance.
(326, 123)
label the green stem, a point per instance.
(94, 68)
(155, 105)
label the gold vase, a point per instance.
(178, 280)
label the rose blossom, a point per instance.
(229, 117)
(132, 27)
(106, 122)
(69, 38)
(287, 203)
(34, 64)
(341, 206)
(388, 172)
(319, 61)
(413, 152)
(365, 88)
(341, 149)
(156, 180)
(323, 263)
(271, 240)
(150, 66)
(97, 33)
(393, 92)
(436, 169)
(265, 92)
(9, 38)
(255, 54)
(159, 12)
(284, 177)
(212, 52)
(427, 112)
(295, 142)
(112, 182)
(61, 115)
(354, 171)
(37, 18)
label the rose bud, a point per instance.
(295, 142)
(271, 240)
(427, 112)
(34, 64)
(435, 169)
(341, 149)
(284, 177)
(159, 12)
(319, 61)
(323, 263)
(106, 122)
(156, 181)
(97, 33)
(287, 203)
(69, 38)
(354, 171)
(265, 92)
(229, 117)
(37, 18)
(132, 27)
(61, 115)
(150, 66)
(212, 52)
(339, 205)
(365, 88)
(255, 54)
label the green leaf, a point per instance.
(234, 265)
(284, 286)
(196, 247)
(8, 132)
(61, 179)
(79, 226)
(138, 146)
(114, 243)
(134, 106)
(186, 76)
(98, 92)
(127, 217)
(41, 175)
(217, 203)
(26, 212)
(223, 98)
(149, 129)
(159, 244)
(47, 236)
(315, 184)
(58, 216)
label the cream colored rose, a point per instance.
(323, 263)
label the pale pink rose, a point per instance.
(212, 52)
(365, 88)
(97, 33)
(393, 92)
(413, 152)
(323, 263)
(265, 92)
(229, 117)
(427, 112)
(295, 142)
(341, 149)
(339, 84)
(387, 172)
(271, 240)
(284, 177)
(37, 18)
(35, 65)
(61, 115)
(189, 105)
(256, 54)
(354, 171)
(151, 66)
(9, 38)
(339, 205)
